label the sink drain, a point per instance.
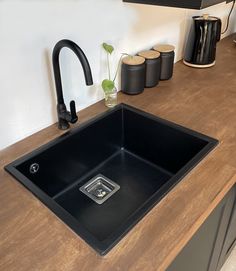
(99, 188)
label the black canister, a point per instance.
(153, 67)
(167, 60)
(133, 75)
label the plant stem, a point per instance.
(123, 54)
(108, 65)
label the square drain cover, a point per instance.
(99, 188)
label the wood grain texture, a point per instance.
(149, 54)
(164, 48)
(133, 60)
(33, 238)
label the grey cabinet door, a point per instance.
(203, 251)
(230, 238)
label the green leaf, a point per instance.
(107, 85)
(108, 48)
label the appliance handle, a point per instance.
(218, 33)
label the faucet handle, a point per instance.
(74, 117)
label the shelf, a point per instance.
(196, 4)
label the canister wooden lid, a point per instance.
(149, 54)
(164, 48)
(133, 60)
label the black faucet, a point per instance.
(64, 116)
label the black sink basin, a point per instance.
(104, 176)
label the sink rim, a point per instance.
(104, 247)
(100, 116)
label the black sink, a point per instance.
(133, 155)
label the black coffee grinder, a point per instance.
(204, 34)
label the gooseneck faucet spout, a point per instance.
(64, 116)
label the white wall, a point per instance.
(30, 28)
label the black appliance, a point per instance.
(204, 34)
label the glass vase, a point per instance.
(111, 98)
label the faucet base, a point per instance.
(63, 124)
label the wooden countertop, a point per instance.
(33, 238)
